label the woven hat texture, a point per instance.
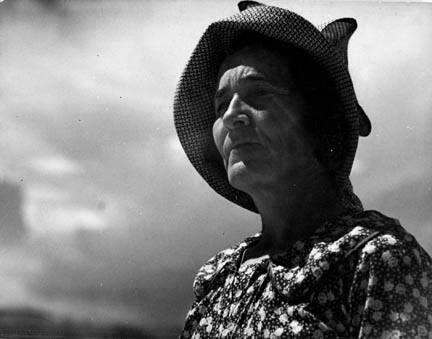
(194, 113)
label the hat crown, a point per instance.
(337, 32)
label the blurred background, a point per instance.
(103, 221)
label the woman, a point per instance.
(267, 114)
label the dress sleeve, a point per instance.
(391, 292)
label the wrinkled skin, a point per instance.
(258, 130)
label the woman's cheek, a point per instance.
(219, 134)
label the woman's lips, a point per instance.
(240, 146)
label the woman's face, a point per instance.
(258, 129)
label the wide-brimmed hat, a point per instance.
(194, 112)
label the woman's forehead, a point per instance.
(259, 60)
(241, 73)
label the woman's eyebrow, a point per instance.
(255, 78)
(247, 78)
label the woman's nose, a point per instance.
(237, 114)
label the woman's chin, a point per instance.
(241, 176)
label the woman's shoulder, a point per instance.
(224, 260)
(390, 234)
(369, 240)
(390, 290)
(391, 251)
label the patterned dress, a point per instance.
(358, 275)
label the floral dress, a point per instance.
(358, 275)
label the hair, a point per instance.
(324, 120)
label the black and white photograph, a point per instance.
(215, 169)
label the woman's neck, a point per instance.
(293, 211)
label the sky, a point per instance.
(102, 217)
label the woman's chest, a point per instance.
(251, 303)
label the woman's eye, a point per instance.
(221, 109)
(259, 92)
(250, 96)
(257, 97)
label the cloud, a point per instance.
(55, 166)
(63, 218)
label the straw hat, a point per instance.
(194, 99)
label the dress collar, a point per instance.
(302, 266)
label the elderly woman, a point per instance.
(267, 114)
